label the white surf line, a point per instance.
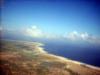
(87, 65)
(91, 66)
(76, 62)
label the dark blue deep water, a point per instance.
(89, 54)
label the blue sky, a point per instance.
(52, 16)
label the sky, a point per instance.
(68, 18)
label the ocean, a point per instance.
(89, 54)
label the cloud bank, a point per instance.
(75, 36)
(34, 31)
(37, 32)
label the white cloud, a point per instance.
(72, 35)
(34, 31)
(90, 38)
(75, 36)
(93, 39)
(84, 36)
(1, 28)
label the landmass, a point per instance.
(30, 58)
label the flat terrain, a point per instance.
(29, 58)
